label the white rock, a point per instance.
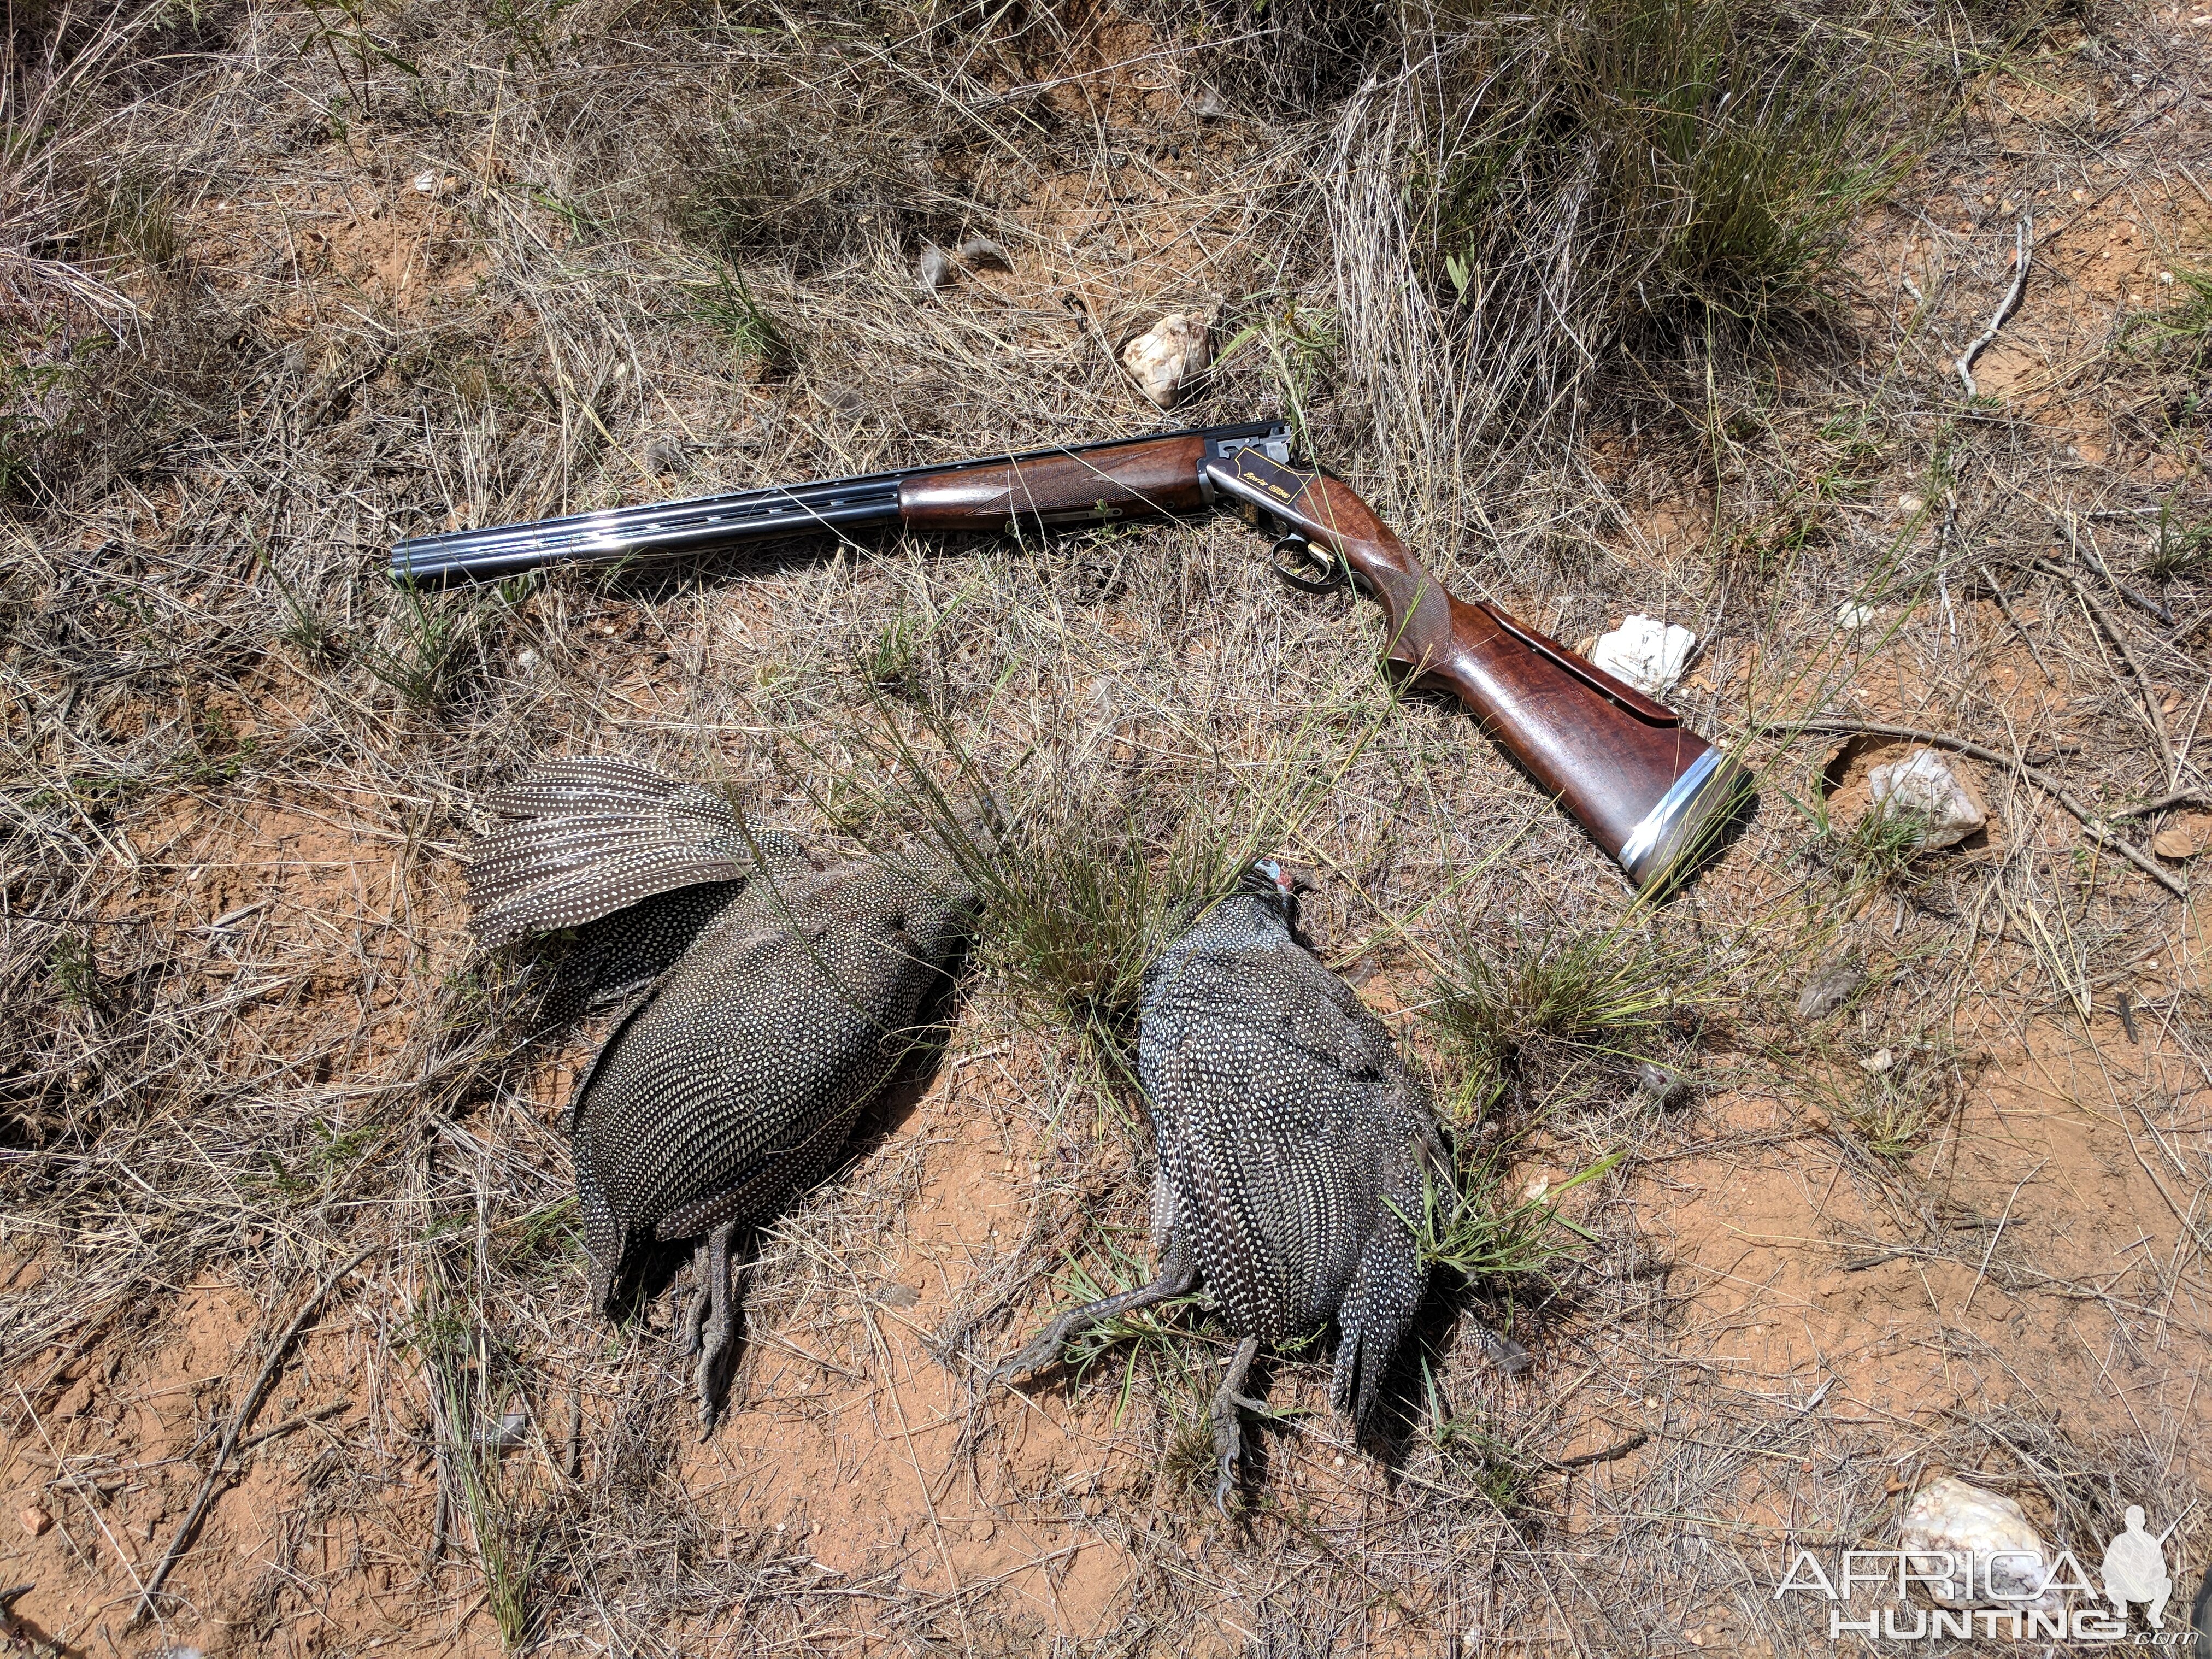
(1649, 654)
(427, 183)
(1852, 614)
(1921, 784)
(526, 660)
(1950, 1517)
(1910, 503)
(1167, 356)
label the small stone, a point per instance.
(1830, 988)
(1168, 356)
(427, 183)
(526, 661)
(1910, 503)
(1852, 614)
(1647, 654)
(36, 1521)
(2009, 1561)
(1922, 784)
(1209, 105)
(1878, 1062)
(935, 269)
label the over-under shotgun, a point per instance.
(1647, 788)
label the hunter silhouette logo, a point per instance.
(2134, 1569)
(2005, 1589)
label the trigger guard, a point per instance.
(1298, 550)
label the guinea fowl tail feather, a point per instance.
(592, 836)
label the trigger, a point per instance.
(1306, 566)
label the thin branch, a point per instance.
(2024, 246)
(2106, 621)
(2179, 798)
(2005, 605)
(1604, 1455)
(238, 1424)
(2086, 550)
(2090, 823)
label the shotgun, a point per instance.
(1649, 790)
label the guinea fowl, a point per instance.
(731, 1082)
(1291, 1147)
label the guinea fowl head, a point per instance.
(1268, 882)
(1266, 878)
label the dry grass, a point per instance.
(1651, 310)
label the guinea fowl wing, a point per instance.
(592, 836)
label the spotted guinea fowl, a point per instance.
(1291, 1147)
(732, 1080)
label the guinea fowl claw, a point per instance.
(1041, 1353)
(1228, 1427)
(1228, 1456)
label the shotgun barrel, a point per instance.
(1650, 790)
(837, 506)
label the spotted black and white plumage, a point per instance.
(731, 1082)
(1288, 1128)
(594, 836)
(1292, 1144)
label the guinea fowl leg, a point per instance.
(1228, 1431)
(719, 1341)
(1177, 1275)
(702, 1296)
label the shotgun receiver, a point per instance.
(1647, 788)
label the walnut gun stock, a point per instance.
(1649, 790)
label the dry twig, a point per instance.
(2024, 251)
(2107, 621)
(239, 1420)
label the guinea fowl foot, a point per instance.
(718, 1343)
(1228, 1427)
(1044, 1348)
(1177, 1275)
